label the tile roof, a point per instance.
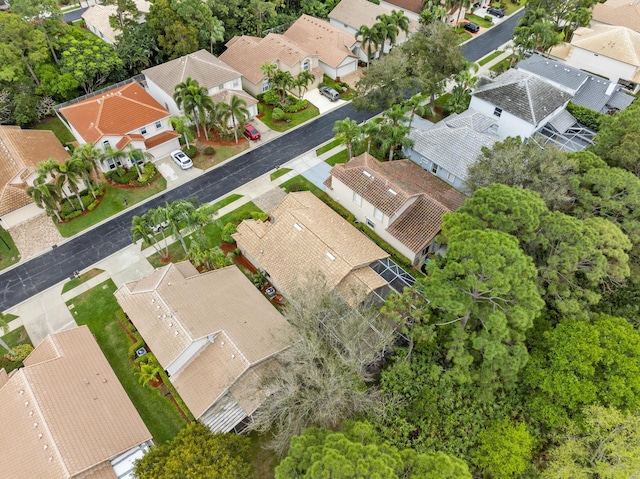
(412, 198)
(522, 94)
(563, 121)
(246, 54)
(623, 13)
(226, 96)
(161, 307)
(568, 76)
(332, 44)
(202, 66)
(619, 43)
(305, 236)
(450, 147)
(115, 112)
(356, 13)
(65, 412)
(415, 6)
(160, 138)
(620, 100)
(98, 16)
(20, 152)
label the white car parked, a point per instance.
(182, 160)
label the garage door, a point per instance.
(163, 150)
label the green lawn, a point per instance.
(97, 309)
(511, 7)
(212, 233)
(329, 146)
(300, 183)
(278, 173)
(84, 277)
(479, 20)
(223, 153)
(490, 57)
(340, 157)
(13, 339)
(111, 203)
(502, 66)
(57, 127)
(463, 35)
(296, 118)
(218, 205)
(9, 254)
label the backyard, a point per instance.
(97, 308)
(57, 127)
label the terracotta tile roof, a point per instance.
(98, 16)
(412, 198)
(306, 236)
(622, 13)
(226, 95)
(246, 54)
(65, 412)
(202, 66)
(116, 112)
(20, 152)
(239, 334)
(332, 44)
(619, 43)
(160, 138)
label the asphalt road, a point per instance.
(73, 15)
(48, 269)
(489, 41)
(42, 272)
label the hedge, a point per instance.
(585, 116)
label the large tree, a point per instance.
(174, 36)
(22, 47)
(347, 131)
(44, 13)
(504, 450)
(197, 453)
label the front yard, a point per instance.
(223, 150)
(294, 119)
(9, 254)
(97, 308)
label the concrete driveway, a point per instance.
(174, 174)
(322, 102)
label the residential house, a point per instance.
(587, 90)
(66, 415)
(622, 13)
(215, 349)
(247, 54)
(609, 51)
(220, 80)
(121, 116)
(20, 152)
(335, 47)
(448, 148)
(304, 237)
(350, 15)
(400, 201)
(519, 102)
(97, 18)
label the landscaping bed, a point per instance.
(15, 338)
(9, 254)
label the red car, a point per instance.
(250, 132)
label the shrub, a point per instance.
(260, 96)
(587, 117)
(209, 150)
(488, 18)
(278, 114)
(270, 97)
(227, 231)
(150, 168)
(71, 215)
(295, 107)
(259, 216)
(92, 206)
(20, 352)
(191, 151)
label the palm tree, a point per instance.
(180, 124)
(137, 155)
(4, 326)
(269, 70)
(401, 21)
(305, 78)
(370, 129)
(192, 98)
(466, 4)
(239, 113)
(93, 155)
(417, 104)
(47, 168)
(82, 168)
(347, 131)
(467, 78)
(370, 37)
(396, 115)
(282, 81)
(394, 137)
(388, 30)
(179, 215)
(114, 155)
(47, 197)
(69, 175)
(216, 32)
(148, 372)
(142, 228)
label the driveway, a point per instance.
(174, 174)
(322, 102)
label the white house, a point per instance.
(119, 117)
(97, 18)
(210, 72)
(400, 201)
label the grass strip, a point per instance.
(83, 278)
(329, 146)
(490, 57)
(278, 173)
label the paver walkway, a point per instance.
(35, 236)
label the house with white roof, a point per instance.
(609, 51)
(220, 80)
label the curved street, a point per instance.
(40, 273)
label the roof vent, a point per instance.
(366, 173)
(153, 300)
(176, 333)
(297, 226)
(331, 257)
(392, 192)
(233, 356)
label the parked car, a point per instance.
(330, 93)
(471, 27)
(496, 12)
(251, 132)
(160, 227)
(182, 160)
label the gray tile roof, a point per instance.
(451, 148)
(620, 99)
(557, 72)
(472, 119)
(522, 94)
(563, 121)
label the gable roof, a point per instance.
(415, 6)
(619, 43)
(569, 77)
(98, 16)
(65, 412)
(356, 13)
(392, 185)
(202, 66)
(20, 152)
(522, 94)
(623, 13)
(246, 54)
(305, 236)
(452, 143)
(331, 44)
(114, 112)
(226, 96)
